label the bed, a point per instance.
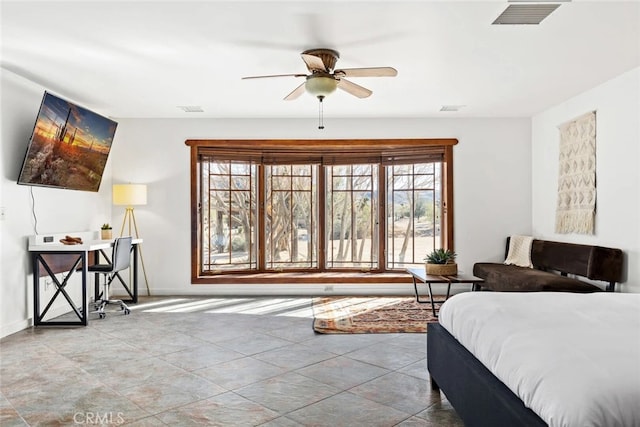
(542, 358)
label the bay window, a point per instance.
(318, 211)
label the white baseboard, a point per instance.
(318, 289)
(14, 327)
(20, 325)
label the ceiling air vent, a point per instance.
(191, 108)
(525, 14)
(451, 107)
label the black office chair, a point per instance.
(120, 260)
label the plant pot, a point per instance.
(449, 269)
(106, 234)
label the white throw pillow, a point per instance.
(519, 251)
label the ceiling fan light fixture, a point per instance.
(320, 85)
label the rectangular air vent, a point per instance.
(525, 14)
(451, 107)
(191, 108)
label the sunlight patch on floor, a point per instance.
(275, 306)
(146, 305)
(291, 307)
(196, 305)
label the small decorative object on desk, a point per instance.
(70, 240)
(106, 232)
(441, 262)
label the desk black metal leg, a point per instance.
(96, 287)
(85, 304)
(80, 312)
(36, 289)
(96, 277)
(135, 274)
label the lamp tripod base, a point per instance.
(129, 221)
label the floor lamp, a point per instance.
(131, 195)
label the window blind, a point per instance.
(330, 152)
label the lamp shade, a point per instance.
(129, 194)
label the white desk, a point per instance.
(41, 256)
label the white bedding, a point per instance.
(574, 359)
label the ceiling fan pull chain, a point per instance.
(320, 114)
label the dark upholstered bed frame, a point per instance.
(478, 397)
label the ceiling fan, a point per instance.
(324, 79)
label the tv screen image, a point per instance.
(69, 146)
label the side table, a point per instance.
(419, 275)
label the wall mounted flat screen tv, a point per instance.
(69, 147)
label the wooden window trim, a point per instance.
(386, 151)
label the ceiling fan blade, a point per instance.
(368, 72)
(295, 94)
(274, 75)
(354, 89)
(313, 62)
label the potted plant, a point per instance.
(441, 262)
(105, 232)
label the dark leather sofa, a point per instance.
(557, 266)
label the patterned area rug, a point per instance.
(370, 315)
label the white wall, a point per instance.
(491, 168)
(617, 106)
(505, 183)
(56, 210)
(491, 172)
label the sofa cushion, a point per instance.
(593, 262)
(501, 277)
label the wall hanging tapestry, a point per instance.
(576, 208)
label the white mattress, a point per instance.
(574, 359)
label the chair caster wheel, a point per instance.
(127, 311)
(102, 315)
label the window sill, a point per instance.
(324, 277)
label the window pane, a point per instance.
(238, 169)
(425, 168)
(291, 217)
(228, 237)
(413, 213)
(351, 217)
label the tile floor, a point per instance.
(215, 361)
